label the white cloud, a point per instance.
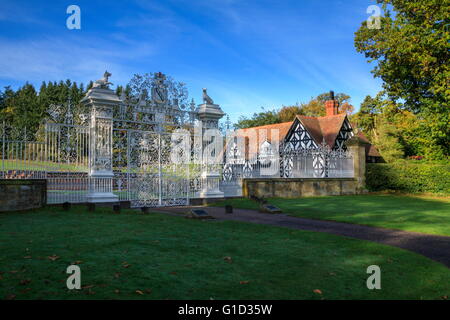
(79, 59)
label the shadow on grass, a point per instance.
(409, 213)
(154, 256)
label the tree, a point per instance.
(314, 108)
(27, 108)
(258, 119)
(342, 98)
(412, 58)
(386, 138)
(7, 105)
(365, 118)
(288, 113)
(410, 129)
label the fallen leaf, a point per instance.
(117, 291)
(117, 275)
(25, 281)
(87, 286)
(228, 259)
(173, 273)
(149, 291)
(13, 271)
(11, 297)
(317, 291)
(54, 257)
(244, 282)
(90, 292)
(77, 262)
(332, 274)
(445, 297)
(139, 292)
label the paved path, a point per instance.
(431, 246)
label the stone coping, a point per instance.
(22, 181)
(296, 179)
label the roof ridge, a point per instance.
(267, 125)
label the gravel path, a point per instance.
(431, 246)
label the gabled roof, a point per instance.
(323, 128)
(276, 131)
(320, 128)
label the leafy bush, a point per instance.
(409, 176)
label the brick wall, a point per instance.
(21, 194)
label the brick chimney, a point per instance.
(331, 106)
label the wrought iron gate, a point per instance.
(143, 171)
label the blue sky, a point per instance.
(249, 54)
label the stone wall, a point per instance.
(21, 194)
(301, 187)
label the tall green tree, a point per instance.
(288, 113)
(261, 118)
(386, 138)
(366, 116)
(411, 55)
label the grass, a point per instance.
(424, 214)
(32, 165)
(155, 256)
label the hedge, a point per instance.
(409, 176)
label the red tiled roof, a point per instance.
(268, 132)
(320, 128)
(282, 128)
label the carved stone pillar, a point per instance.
(209, 114)
(357, 148)
(100, 99)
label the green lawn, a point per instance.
(32, 165)
(170, 257)
(411, 213)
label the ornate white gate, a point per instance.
(143, 171)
